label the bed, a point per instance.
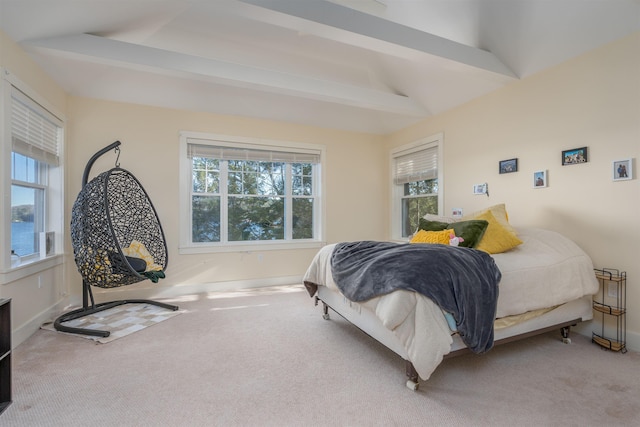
(545, 282)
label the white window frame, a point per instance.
(397, 190)
(189, 247)
(54, 189)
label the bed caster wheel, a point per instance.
(566, 340)
(326, 316)
(412, 385)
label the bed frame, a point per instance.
(560, 318)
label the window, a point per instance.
(28, 186)
(417, 183)
(244, 192)
(33, 170)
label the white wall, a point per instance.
(592, 101)
(36, 291)
(355, 205)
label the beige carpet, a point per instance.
(267, 358)
(120, 321)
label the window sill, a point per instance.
(251, 247)
(28, 268)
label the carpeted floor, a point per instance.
(267, 358)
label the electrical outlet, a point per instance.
(612, 290)
(456, 212)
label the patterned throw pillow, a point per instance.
(497, 238)
(499, 213)
(471, 231)
(442, 237)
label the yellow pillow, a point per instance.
(138, 250)
(497, 238)
(500, 214)
(441, 237)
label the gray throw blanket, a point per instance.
(461, 281)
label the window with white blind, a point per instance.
(240, 193)
(34, 178)
(417, 184)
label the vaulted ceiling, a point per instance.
(363, 65)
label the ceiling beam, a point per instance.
(130, 55)
(351, 26)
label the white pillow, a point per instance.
(447, 219)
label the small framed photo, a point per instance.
(540, 179)
(47, 244)
(480, 188)
(574, 156)
(508, 166)
(622, 170)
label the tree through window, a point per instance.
(241, 193)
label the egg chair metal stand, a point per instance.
(111, 214)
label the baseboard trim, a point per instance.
(587, 328)
(24, 331)
(179, 290)
(633, 341)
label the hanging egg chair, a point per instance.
(117, 239)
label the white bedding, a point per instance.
(546, 270)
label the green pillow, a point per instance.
(471, 231)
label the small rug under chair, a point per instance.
(120, 321)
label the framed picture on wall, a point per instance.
(508, 166)
(47, 244)
(540, 179)
(622, 170)
(574, 156)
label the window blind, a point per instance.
(34, 132)
(224, 152)
(416, 166)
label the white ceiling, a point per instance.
(364, 65)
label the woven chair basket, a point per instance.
(111, 211)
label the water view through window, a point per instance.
(27, 203)
(22, 238)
